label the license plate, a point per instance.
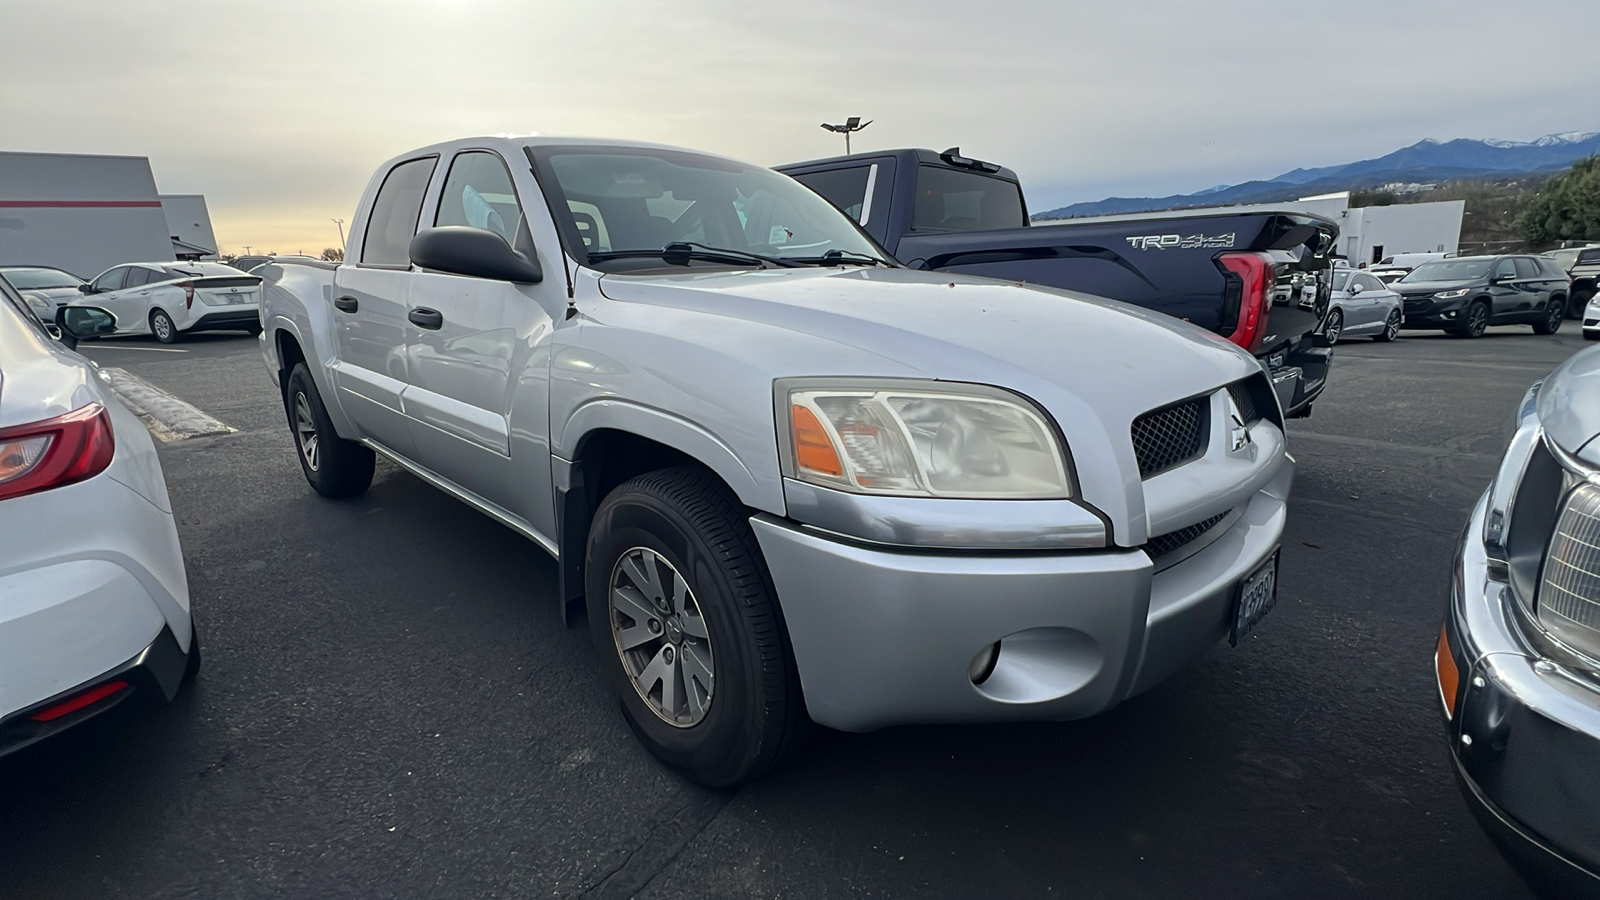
(1257, 595)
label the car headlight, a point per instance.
(1568, 603)
(1451, 295)
(919, 439)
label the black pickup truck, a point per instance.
(1258, 278)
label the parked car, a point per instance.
(1518, 658)
(1591, 319)
(1362, 306)
(1465, 295)
(1257, 278)
(171, 299)
(96, 605)
(777, 467)
(1582, 265)
(249, 263)
(44, 287)
(1388, 274)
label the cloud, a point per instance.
(280, 112)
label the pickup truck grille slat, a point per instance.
(1170, 436)
(1161, 545)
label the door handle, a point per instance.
(430, 319)
(346, 304)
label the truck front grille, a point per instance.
(1170, 436)
(1161, 545)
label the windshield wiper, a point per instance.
(679, 253)
(839, 258)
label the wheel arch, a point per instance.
(616, 441)
(290, 350)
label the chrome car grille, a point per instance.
(1161, 545)
(1170, 436)
(1568, 602)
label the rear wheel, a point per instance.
(1391, 328)
(1580, 300)
(688, 629)
(1553, 314)
(1334, 327)
(334, 466)
(161, 326)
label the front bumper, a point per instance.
(884, 637)
(1525, 733)
(1426, 312)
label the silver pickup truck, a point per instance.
(785, 476)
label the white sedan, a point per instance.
(1362, 306)
(169, 299)
(94, 601)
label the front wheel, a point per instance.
(161, 326)
(1475, 322)
(1553, 316)
(334, 466)
(1391, 328)
(1334, 326)
(688, 629)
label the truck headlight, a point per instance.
(1568, 603)
(1451, 295)
(919, 439)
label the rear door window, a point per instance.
(1528, 269)
(846, 189)
(954, 200)
(393, 220)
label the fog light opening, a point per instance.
(982, 665)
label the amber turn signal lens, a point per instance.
(813, 449)
(1449, 676)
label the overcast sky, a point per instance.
(278, 112)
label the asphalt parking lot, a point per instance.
(390, 706)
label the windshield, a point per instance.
(40, 279)
(640, 199)
(1449, 270)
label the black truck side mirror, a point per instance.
(473, 252)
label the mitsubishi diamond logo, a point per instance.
(1239, 442)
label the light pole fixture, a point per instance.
(851, 124)
(340, 223)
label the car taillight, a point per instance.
(55, 452)
(188, 293)
(1256, 278)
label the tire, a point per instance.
(1475, 322)
(1580, 300)
(255, 330)
(333, 466)
(1591, 335)
(191, 667)
(1391, 328)
(1334, 326)
(162, 327)
(683, 527)
(1554, 315)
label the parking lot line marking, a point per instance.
(167, 417)
(139, 349)
(1375, 444)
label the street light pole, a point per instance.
(851, 124)
(340, 223)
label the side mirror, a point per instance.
(474, 252)
(87, 288)
(1356, 289)
(85, 321)
(1503, 277)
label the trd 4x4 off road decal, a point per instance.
(1180, 242)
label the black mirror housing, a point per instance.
(86, 288)
(85, 321)
(473, 252)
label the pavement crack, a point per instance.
(640, 866)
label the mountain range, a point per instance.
(1425, 161)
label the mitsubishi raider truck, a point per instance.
(1260, 279)
(785, 476)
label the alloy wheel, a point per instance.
(162, 326)
(305, 430)
(1558, 312)
(1335, 326)
(1391, 328)
(1477, 319)
(661, 637)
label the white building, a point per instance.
(85, 214)
(1366, 234)
(189, 226)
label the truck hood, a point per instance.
(965, 328)
(1569, 405)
